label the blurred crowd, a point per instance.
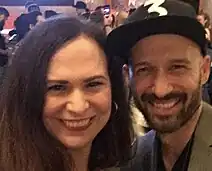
(102, 15)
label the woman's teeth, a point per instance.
(77, 123)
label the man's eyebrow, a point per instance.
(142, 63)
(181, 61)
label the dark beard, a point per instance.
(190, 106)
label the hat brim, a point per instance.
(121, 40)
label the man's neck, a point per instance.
(173, 144)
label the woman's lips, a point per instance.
(79, 124)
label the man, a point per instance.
(166, 49)
(80, 7)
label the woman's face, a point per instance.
(78, 101)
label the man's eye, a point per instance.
(94, 84)
(178, 67)
(142, 70)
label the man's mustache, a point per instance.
(147, 97)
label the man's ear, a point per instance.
(205, 70)
(125, 72)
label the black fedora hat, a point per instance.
(156, 17)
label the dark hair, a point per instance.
(4, 11)
(49, 13)
(25, 143)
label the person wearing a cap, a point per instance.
(80, 7)
(27, 4)
(166, 48)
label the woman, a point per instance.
(62, 102)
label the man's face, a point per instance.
(168, 72)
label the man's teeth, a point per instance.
(75, 124)
(167, 104)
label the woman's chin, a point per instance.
(76, 143)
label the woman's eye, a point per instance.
(56, 88)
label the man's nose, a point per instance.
(161, 86)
